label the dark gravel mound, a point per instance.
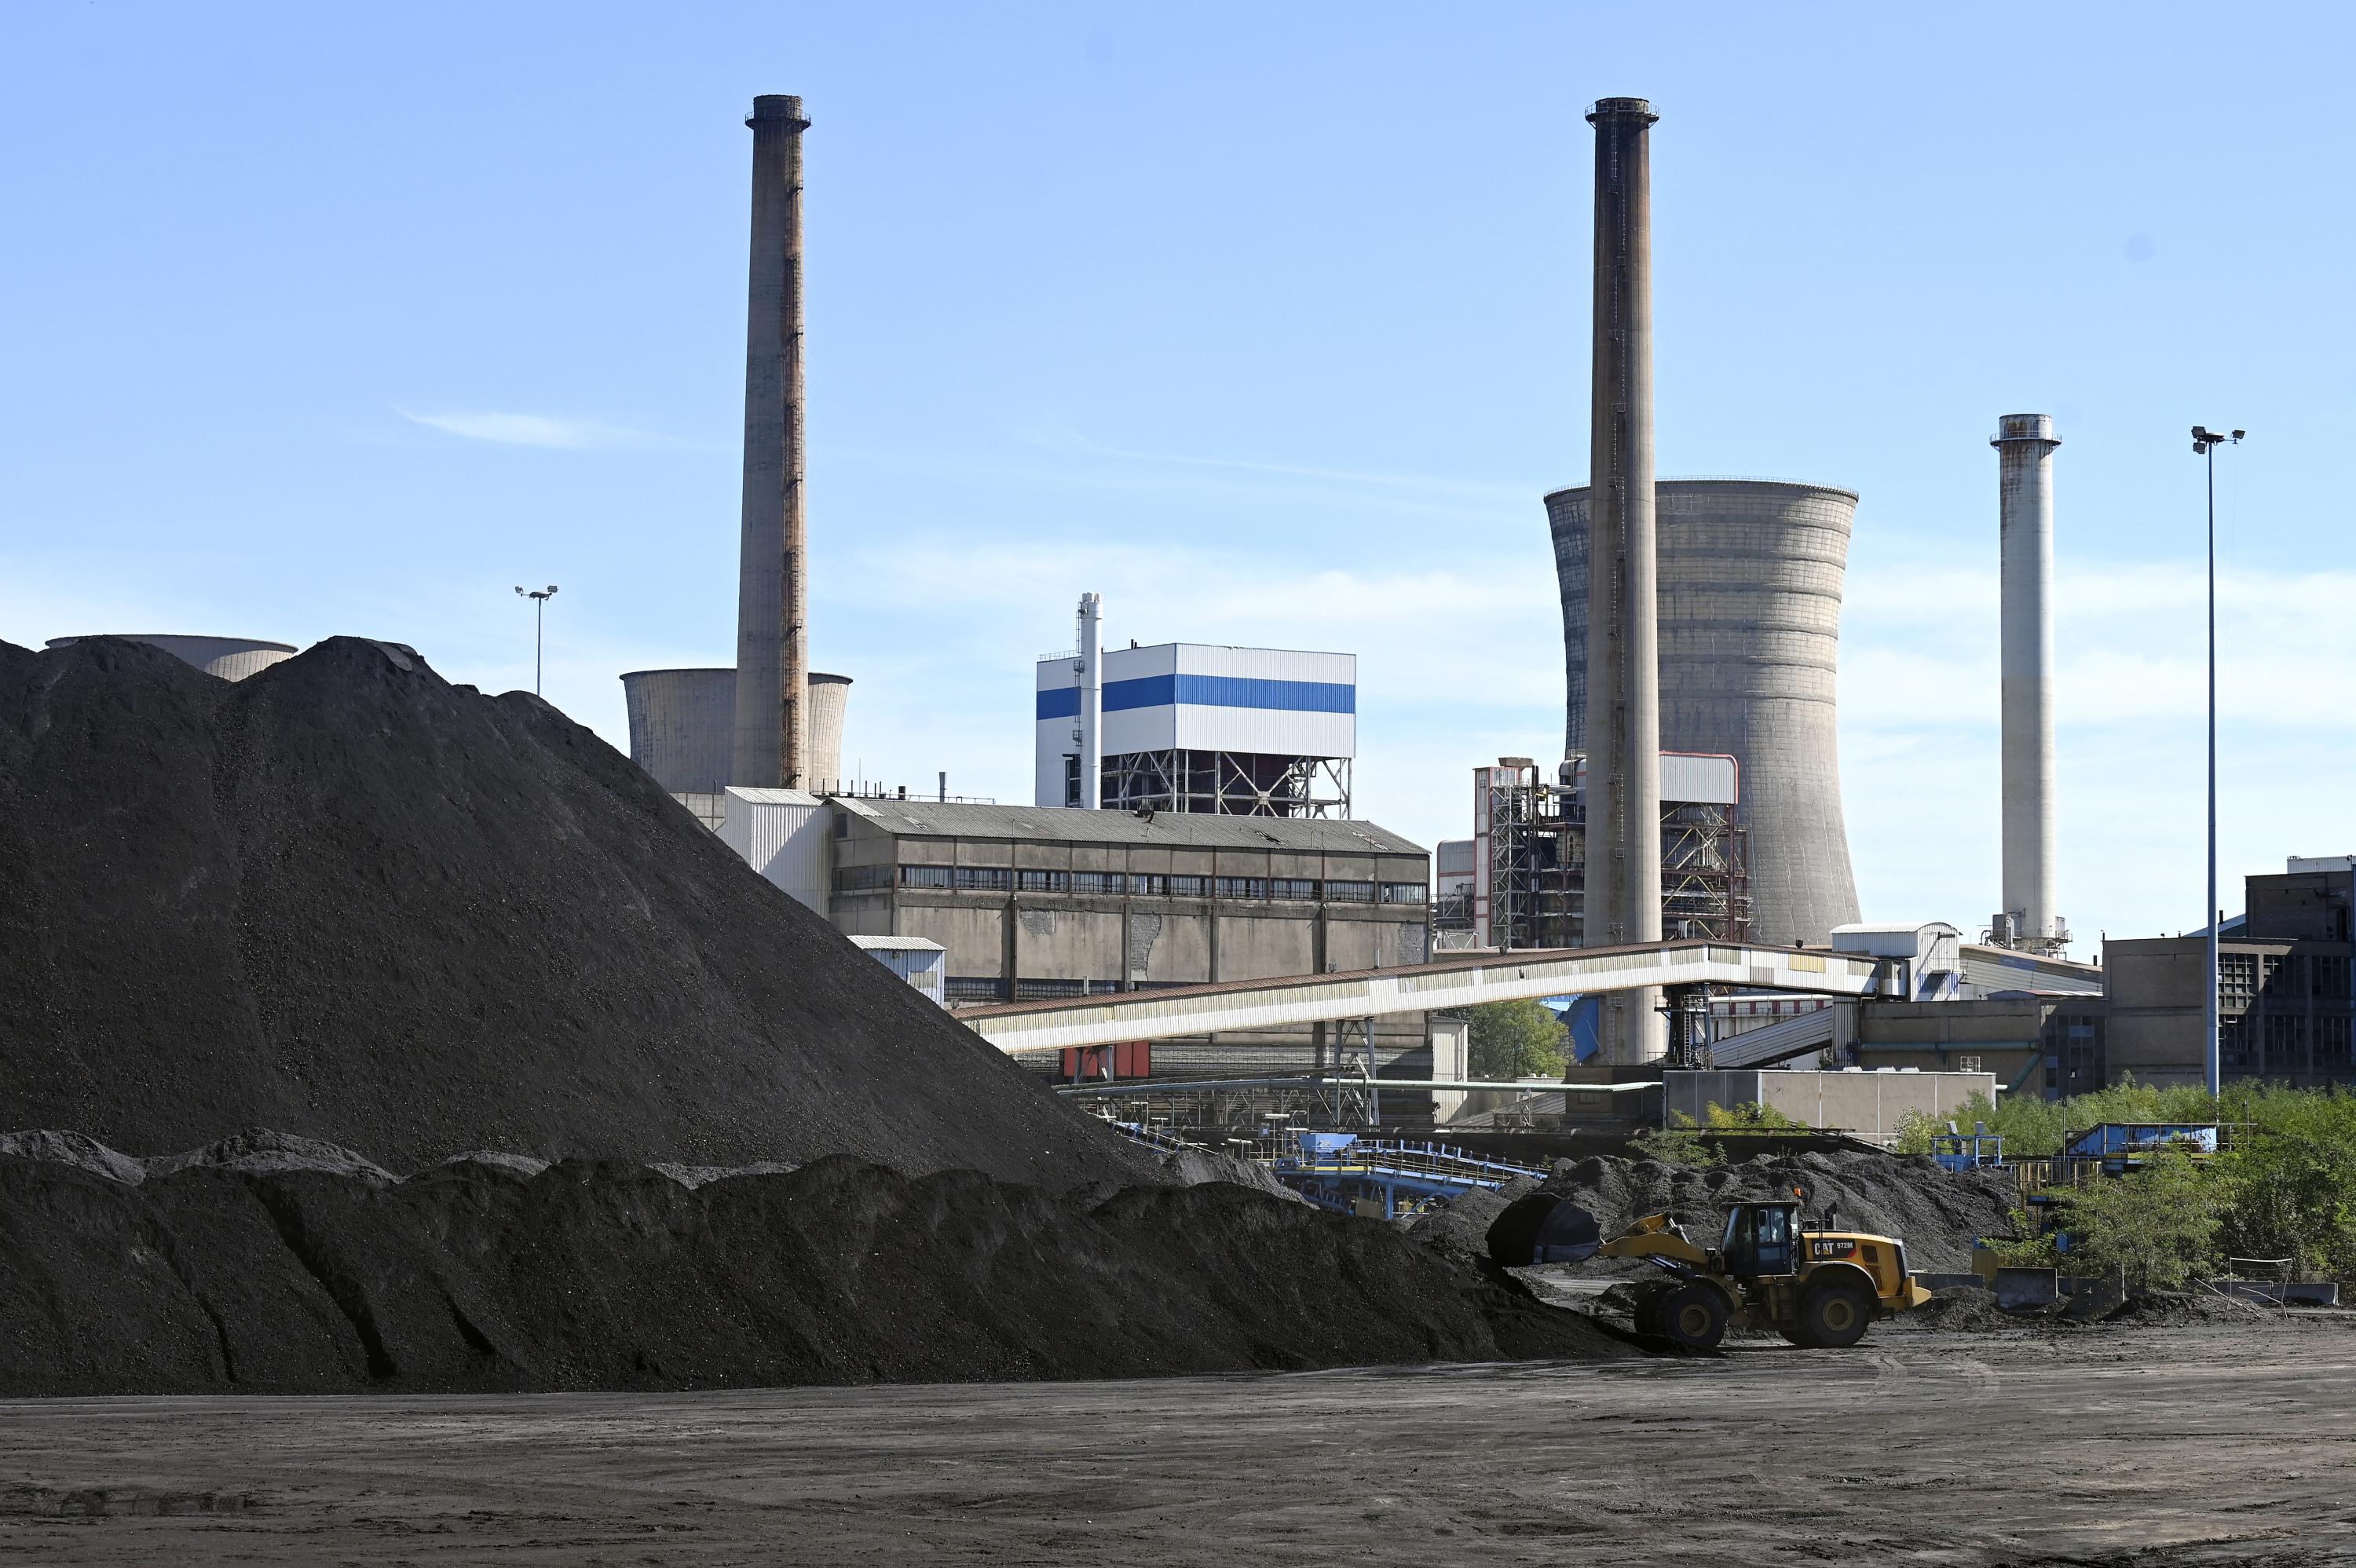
(476, 1276)
(2161, 1309)
(350, 901)
(1962, 1310)
(1457, 1226)
(1936, 1213)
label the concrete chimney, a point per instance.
(1090, 669)
(772, 744)
(1623, 678)
(2024, 445)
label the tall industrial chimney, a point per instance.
(2024, 444)
(772, 744)
(1091, 674)
(1623, 678)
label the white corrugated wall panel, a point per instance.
(1267, 664)
(1701, 779)
(786, 837)
(1277, 732)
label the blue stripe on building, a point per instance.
(1206, 691)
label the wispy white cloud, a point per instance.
(1057, 434)
(508, 429)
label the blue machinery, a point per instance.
(1357, 1175)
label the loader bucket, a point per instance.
(1569, 1235)
(1543, 1228)
(1514, 1234)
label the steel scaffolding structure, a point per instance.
(1532, 842)
(1231, 783)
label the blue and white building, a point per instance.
(1196, 727)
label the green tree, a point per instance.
(2292, 1180)
(1677, 1143)
(2156, 1226)
(1750, 1116)
(1516, 1039)
(1917, 1133)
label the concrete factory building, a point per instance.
(1034, 903)
(2286, 987)
(1751, 573)
(1029, 903)
(1194, 728)
(229, 658)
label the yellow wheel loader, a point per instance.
(1820, 1289)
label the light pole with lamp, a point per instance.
(2205, 442)
(540, 598)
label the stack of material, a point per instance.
(348, 899)
(266, 1262)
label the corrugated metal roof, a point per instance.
(763, 797)
(1168, 829)
(898, 945)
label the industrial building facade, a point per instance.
(1028, 903)
(1194, 728)
(1034, 903)
(2285, 992)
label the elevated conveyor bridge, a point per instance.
(1459, 980)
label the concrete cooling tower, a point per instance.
(230, 658)
(682, 726)
(1749, 596)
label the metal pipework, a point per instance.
(2024, 444)
(1623, 680)
(771, 739)
(1090, 665)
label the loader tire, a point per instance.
(1693, 1316)
(1645, 1314)
(1834, 1318)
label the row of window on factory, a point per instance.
(1131, 884)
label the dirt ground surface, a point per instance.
(2211, 1445)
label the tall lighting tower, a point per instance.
(2205, 442)
(540, 598)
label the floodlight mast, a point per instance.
(540, 598)
(2205, 442)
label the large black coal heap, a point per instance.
(350, 901)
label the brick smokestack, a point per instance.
(1623, 673)
(772, 742)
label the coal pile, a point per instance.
(1961, 1310)
(273, 1266)
(1936, 1212)
(351, 901)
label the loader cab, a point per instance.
(1761, 1238)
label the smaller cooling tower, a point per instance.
(230, 658)
(829, 696)
(682, 726)
(683, 722)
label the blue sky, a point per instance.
(1266, 322)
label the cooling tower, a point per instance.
(682, 725)
(1748, 597)
(230, 658)
(828, 694)
(681, 722)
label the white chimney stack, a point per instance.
(1091, 702)
(2024, 444)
